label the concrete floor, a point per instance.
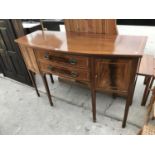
(22, 112)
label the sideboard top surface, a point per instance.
(84, 43)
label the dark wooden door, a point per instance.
(11, 61)
(113, 74)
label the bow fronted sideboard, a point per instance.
(105, 62)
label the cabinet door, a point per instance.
(11, 62)
(113, 74)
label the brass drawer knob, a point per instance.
(72, 61)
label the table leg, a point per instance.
(127, 106)
(93, 90)
(128, 103)
(133, 90)
(93, 95)
(148, 86)
(51, 77)
(33, 82)
(47, 88)
(114, 95)
(145, 80)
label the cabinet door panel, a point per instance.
(113, 74)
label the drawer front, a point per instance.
(63, 59)
(77, 74)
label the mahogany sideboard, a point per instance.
(107, 62)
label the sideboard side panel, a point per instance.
(29, 58)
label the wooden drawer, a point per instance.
(77, 74)
(63, 59)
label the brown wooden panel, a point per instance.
(74, 25)
(99, 26)
(93, 26)
(76, 74)
(86, 43)
(104, 26)
(112, 74)
(33, 59)
(111, 27)
(63, 59)
(85, 25)
(67, 25)
(29, 58)
(72, 28)
(81, 25)
(26, 57)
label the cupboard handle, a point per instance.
(70, 61)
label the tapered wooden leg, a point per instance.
(148, 86)
(93, 95)
(33, 82)
(93, 90)
(133, 89)
(51, 77)
(114, 95)
(47, 88)
(145, 80)
(149, 89)
(127, 106)
(128, 103)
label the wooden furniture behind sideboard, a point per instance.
(97, 26)
(103, 61)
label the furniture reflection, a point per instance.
(91, 52)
